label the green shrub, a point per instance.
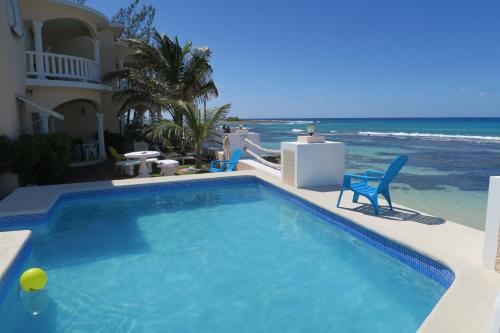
(6, 154)
(42, 159)
(114, 140)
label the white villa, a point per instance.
(54, 54)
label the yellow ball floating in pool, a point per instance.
(33, 279)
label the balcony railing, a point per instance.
(63, 67)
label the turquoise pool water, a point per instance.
(233, 258)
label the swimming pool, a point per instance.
(220, 255)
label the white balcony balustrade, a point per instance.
(62, 67)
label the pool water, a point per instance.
(232, 258)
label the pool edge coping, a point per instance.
(434, 321)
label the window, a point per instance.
(15, 21)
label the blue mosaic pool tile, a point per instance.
(22, 220)
(429, 267)
(423, 264)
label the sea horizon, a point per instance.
(450, 158)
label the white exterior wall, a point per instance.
(312, 164)
(492, 226)
(52, 93)
(12, 75)
(236, 142)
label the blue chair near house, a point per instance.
(226, 165)
(363, 187)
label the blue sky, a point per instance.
(351, 58)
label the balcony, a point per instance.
(62, 67)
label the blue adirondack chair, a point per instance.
(227, 165)
(363, 187)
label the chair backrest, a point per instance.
(140, 146)
(235, 157)
(392, 171)
(114, 153)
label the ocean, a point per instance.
(450, 159)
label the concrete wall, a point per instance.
(312, 164)
(13, 75)
(81, 46)
(492, 226)
(80, 120)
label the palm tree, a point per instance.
(163, 69)
(198, 126)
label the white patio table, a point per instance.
(142, 156)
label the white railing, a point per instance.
(258, 157)
(65, 67)
(265, 150)
(261, 160)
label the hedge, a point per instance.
(43, 158)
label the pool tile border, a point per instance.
(421, 263)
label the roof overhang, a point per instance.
(101, 21)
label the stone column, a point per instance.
(97, 50)
(312, 164)
(44, 123)
(120, 63)
(100, 135)
(37, 33)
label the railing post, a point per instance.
(37, 34)
(492, 226)
(97, 54)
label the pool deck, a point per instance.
(466, 307)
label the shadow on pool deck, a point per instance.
(397, 214)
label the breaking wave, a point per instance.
(430, 136)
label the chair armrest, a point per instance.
(367, 178)
(376, 172)
(348, 177)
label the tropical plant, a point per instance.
(163, 69)
(198, 127)
(138, 23)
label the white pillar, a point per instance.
(37, 34)
(100, 135)
(97, 52)
(492, 226)
(120, 63)
(44, 123)
(312, 164)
